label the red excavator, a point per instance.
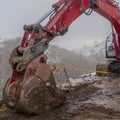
(31, 87)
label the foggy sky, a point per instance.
(85, 30)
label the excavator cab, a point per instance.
(109, 47)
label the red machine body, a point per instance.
(25, 59)
(71, 10)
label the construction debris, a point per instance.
(97, 100)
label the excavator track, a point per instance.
(102, 69)
(108, 68)
(114, 67)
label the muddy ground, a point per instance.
(99, 100)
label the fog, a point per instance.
(85, 30)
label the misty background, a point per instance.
(85, 30)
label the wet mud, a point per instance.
(99, 100)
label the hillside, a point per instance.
(97, 49)
(57, 55)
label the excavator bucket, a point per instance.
(33, 90)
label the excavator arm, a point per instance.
(62, 14)
(36, 37)
(30, 71)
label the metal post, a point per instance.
(45, 16)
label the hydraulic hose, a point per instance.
(89, 12)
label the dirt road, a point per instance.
(99, 100)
